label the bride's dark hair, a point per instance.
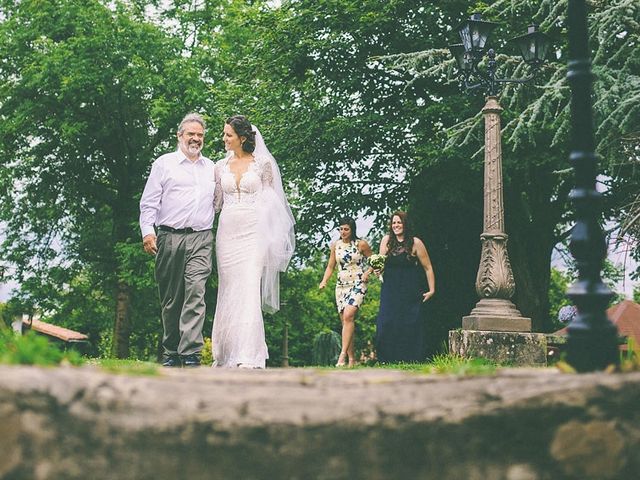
(407, 233)
(242, 127)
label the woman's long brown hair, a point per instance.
(407, 233)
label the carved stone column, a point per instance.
(494, 283)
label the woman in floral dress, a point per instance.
(350, 254)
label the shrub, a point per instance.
(630, 359)
(206, 356)
(326, 348)
(32, 349)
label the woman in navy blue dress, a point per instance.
(399, 326)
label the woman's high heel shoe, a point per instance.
(341, 360)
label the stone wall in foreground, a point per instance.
(78, 423)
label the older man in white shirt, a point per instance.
(178, 204)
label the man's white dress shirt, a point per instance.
(179, 194)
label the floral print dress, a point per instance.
(350, 288)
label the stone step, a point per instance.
(519, 424)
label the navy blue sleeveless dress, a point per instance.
(399, 326)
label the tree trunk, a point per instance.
(122, 324)
(124, 212)
(532, 238)
(532, 270)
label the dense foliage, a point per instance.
(33, 349)
(356, 100)
(89, 95)
(537, 177)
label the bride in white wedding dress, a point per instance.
(254, 242)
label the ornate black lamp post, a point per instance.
(475, 33)
(592, 342)
(494, 283)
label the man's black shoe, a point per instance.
(191, 360)
(171, 361)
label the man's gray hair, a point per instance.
(190, 118)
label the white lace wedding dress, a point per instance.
(238, 338)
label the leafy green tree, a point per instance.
(559, 282)
(636, 295)
(536, 122)
(357, 103)
(89, 95)
(5, 318)
(352, 136)
(343, 128)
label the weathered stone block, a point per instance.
(496, 314)
(511, 348)
(295, 424)
(499, 324)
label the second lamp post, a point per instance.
(494, 283)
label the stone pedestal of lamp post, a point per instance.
(495, 329)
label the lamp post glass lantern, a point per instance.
(533, 46)
(475, 32)
(494, 283)
(463, 58)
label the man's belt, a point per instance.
(165, 228)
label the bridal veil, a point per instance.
(275, 230)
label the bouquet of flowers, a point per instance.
(376, 261)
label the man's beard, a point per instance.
(193, 148)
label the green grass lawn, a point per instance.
(441, 365)
(32, 350)
(126, 367)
